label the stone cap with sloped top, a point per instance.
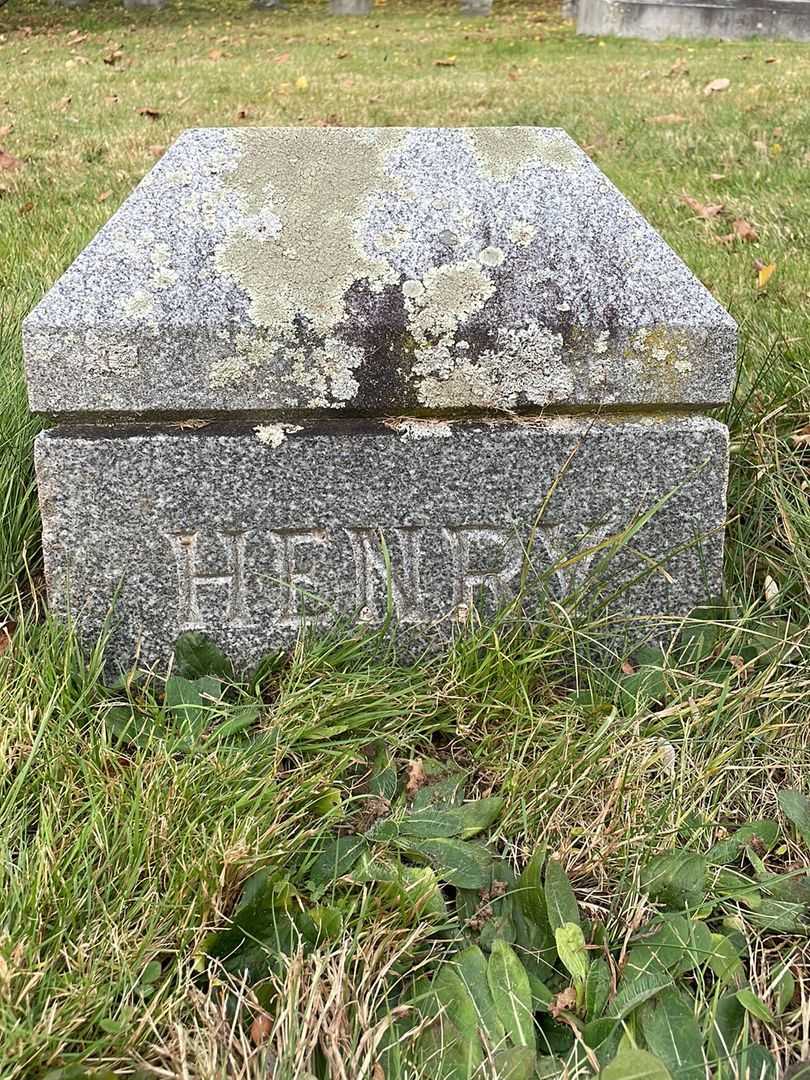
(375, 270)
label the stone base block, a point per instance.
(250, 534)
(725, 19)
(350, 7)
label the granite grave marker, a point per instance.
(308, 373)
(730, 20)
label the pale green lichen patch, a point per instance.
(324, 371)
(318, 192)
(273, 435)
(450, 294)
(413, 428)
(504, 152)
(661, 354)
(527, 365)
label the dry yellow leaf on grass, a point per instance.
(764, 274)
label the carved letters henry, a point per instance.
(389, 571)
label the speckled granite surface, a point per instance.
(392, 270)
(248, 535)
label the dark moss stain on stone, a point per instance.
(376, 322)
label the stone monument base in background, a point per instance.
(725, 19)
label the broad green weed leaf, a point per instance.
(534, 944)
(796, 806)
(529, 889)
(548, 1067)
(511, 993)
(676, 944)
(597, 989)
(460, 862)
(676, 879)
(727, 1020)
(370, 868)
(416, 891)
(455, 999)
(190, 702)
(672, 1034)
(725, 963)
(542, 997)
(515, 1063)
(338, 857)
(784, 989)
(456, 821)
(561, 904)
(383, 779)
(754, 1005)
(443, 793)
(571, 950)
(755, 1063)
(195, 656)
(635, 1065)
(446, 1054)
(635, 993)
(471, 965)
(780, 915)
(603, 1037)
(761, 834)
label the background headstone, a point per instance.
(292, 350)
(134, 5)
(725, 19)
(350, 7)
(475, 7)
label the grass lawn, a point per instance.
(119, 854)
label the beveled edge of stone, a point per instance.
(553, 291)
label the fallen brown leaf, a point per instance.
(680, 67)
(716, 86)
(802, 436)
(6, 634)
(416, 778)
(260, 1029)
(111, 99)
(244, 113)
(8, 161)
(26, 208)
(6, 130)
(447, 61)
(281, 58)
(667, 118)
(63, 104)
(342, 55)
(627, 668)
(216, 54)
(104, 196)
(703, 210)
(771, 60)
(563, 1002)
(157, 150)
(743, 230)
(114, 57)
(152, 114)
